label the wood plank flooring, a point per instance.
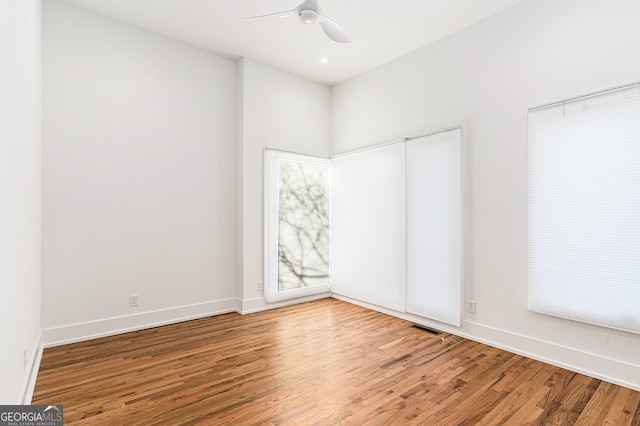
(320, 363)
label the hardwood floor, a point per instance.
(320, 363)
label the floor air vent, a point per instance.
(427, 329)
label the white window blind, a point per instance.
(584, 209)
(434, 228)
(368, 226)
(297, 228)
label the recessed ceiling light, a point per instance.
(324, 60)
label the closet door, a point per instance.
(434, 227)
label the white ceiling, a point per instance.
(383, 29)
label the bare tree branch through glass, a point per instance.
(303, 234)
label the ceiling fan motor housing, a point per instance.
(308, 16)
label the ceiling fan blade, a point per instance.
(285, 14)
(334, 31)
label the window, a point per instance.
(368, 241)
(434, 226)
(297, 215)
(584, 209)
(397, 226)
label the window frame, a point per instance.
(272, 158)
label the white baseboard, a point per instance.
(29, 383)
(249, 306)
(111, 326)
(592, 365)
(71, 333)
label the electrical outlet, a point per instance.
(133, 300)
(260, 286)
(471, 306)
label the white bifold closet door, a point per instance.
(368, 226)
(434, 227)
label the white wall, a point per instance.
(277, 110)
(139, 172)
(20, 196)
(485, 78)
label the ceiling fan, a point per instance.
(309, 12)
